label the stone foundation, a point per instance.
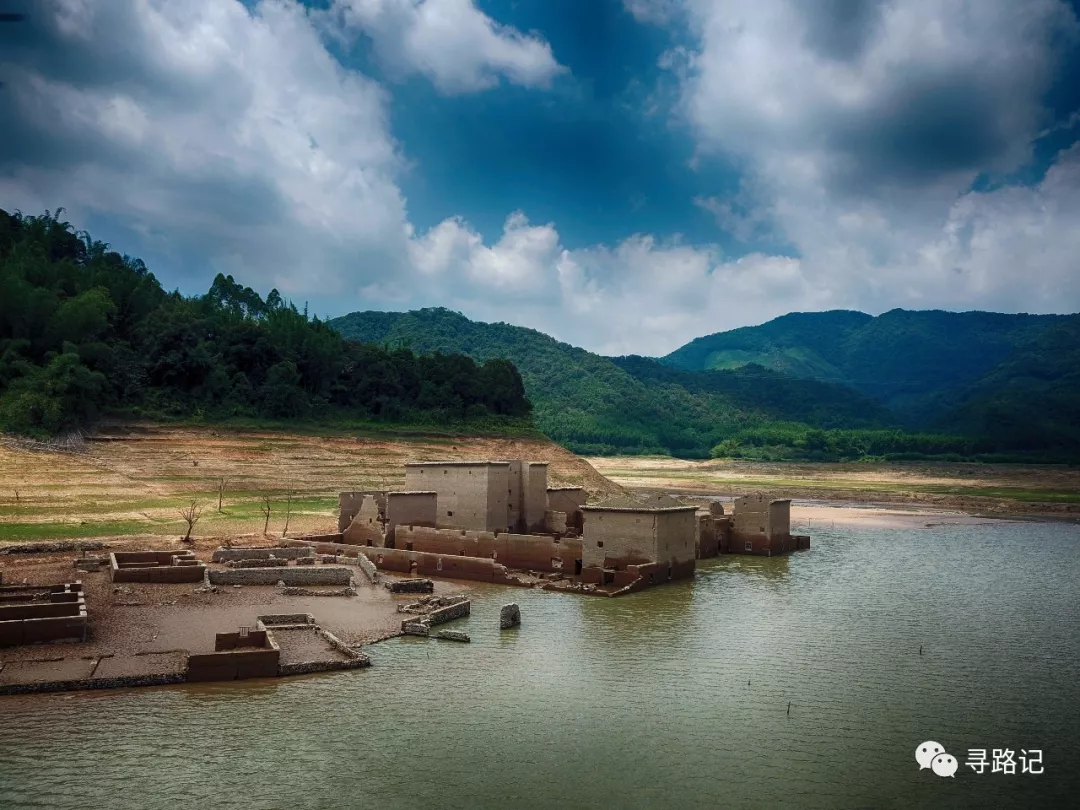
(303, 575)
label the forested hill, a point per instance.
(86, 331)
(595, 404)
(1013, 379)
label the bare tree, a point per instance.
(191, 515)
(288, 513)
(266, 513)
(220, 494)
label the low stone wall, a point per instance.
(348, 590)
(269, 562)
(303, 575)
(282, 553)
(277, 619)
(369, 569)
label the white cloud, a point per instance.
(228, 136)
(452, 42)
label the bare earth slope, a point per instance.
(134, 480)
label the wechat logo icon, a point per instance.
(932, 755)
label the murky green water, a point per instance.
(672, 698)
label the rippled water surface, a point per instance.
(677, 697)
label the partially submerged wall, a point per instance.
(236, 656)
(530, 552)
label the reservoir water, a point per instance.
(676, 697)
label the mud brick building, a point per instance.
(657, 542)
(485, 496)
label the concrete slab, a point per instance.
(122, 666)
(68, 669)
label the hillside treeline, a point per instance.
(86, 331)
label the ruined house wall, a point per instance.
(675, 535)
(541, 553)
(751, 515)
(615, 539)
(155, 566)
(236, 664)
(63, 617)
(723, 533)
(231, 641)
(439, 565)
(515, 497)
(566, 499)
(531, 552)
(706, 537)
(349, 504)
(534, 477)
(780, 519)
(411, 509)
(470, 495)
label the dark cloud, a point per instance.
(840, 29)
(919, 129)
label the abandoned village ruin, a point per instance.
(488, 521)
(496, 520)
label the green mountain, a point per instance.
(595, 404)
(1012, 379)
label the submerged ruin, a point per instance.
(500, 522)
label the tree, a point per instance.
(191, 515)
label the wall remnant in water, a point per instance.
(452, 635)
(509, 616)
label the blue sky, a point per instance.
(622, 174)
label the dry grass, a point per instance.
(135, 481)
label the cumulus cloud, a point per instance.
(225, 137)
(451, 42)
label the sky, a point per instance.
(624, 175)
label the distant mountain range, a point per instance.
(1009, 380)
(1012, 378)
(595, 404)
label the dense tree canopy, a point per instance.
(85, 330)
